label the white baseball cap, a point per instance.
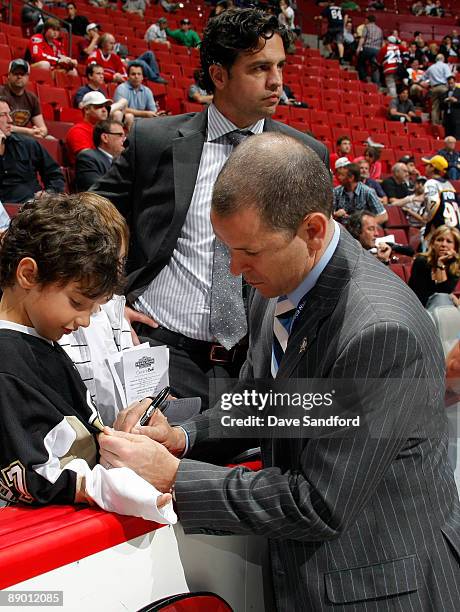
(342, 162)
(94, 98)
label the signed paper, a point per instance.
(145, 371)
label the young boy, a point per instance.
(59, 263)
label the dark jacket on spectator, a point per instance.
(423, 285)
(90, 165)
(25, 157)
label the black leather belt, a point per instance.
(215, 352)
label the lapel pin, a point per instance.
(303, 345)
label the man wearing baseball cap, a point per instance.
(25, 106)
(95, 107)
(89, 42)
(440, 202)
(185, 35)
(157, 32)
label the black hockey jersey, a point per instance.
(47, 419)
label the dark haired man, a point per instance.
(24, 104)
(108, 138)
(140, 98)
(180, 285)
(77, 23)
(364, 517)
(353, 195)
(95, 76)
(22, 161)
(45, 50)
(369, 45)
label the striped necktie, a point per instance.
(284, 313)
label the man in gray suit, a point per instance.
(163, 184)
(362, 518)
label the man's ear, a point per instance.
(26, 273)
(313, 230)
(219, 75)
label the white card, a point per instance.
(145, 371)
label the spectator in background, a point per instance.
(372, 155)
(95, 108)
(396, 186)
(32, 16)
(418, 8)
(402, 109)
(390, 58)
(452, 156)
(415, 77)
(286, 16)
(436, 77)
(45, 50)
(349, 40)
(91, 164)
(77, 24)
(114, 69)
(363, 226)
(450, 103)
(353, 195)
(343, 149)
(375, 185)
(137, 7)
(196, 93)
(414, 53)
(335, 26)
(409, 161)
(440, 202)
(369, 46)
(436, 9)
(415, 209)
(95, 77)
(171, 7)
(22, 161)
(25, 106)
(89, 43)
(157, 32)
(140, 98)
(447, 48)
(184, 35)
(437, 270)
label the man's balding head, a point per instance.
(279, 176)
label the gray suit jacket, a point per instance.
(355, 522)
(152, 185)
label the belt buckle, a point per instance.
(219, 354)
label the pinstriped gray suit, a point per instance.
(358, 523)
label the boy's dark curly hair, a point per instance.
(232, 32)
(79, 237)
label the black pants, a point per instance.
(191, 372)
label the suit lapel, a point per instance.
(187, 149)
(320, 303)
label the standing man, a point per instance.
(369, 45)
(108, 138)
(441, 206)
(335, 27)
(451, 107)
(24, 105)
(436, 78)
(362, 518)
(179, 287)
